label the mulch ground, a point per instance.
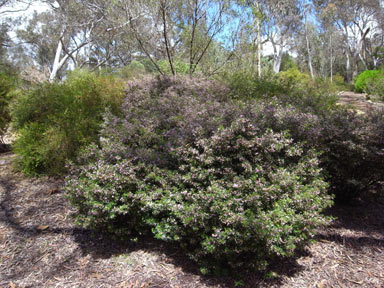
(358, 101)
(41, 247)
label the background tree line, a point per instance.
(321, 37)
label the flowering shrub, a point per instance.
(353, 151)
(352, 145)
(200, 170)
(240, 196)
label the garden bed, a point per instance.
(41, 247)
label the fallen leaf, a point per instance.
(41, 228)
(53, 191)
(12, 285)
(353, 281)
(322, 284)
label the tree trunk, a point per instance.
(348, 68)
(277, 60)
(309, 57)
(308, 46)
(258, 49)
(165, 34)
(331, 58)
(56, 62)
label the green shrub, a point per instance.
(179, 66)
(248, 86)
(202, 171)
(55, 120)
(6, 86)
(375, 87)
(338, 80)
(290, 87)
(368, 75)
(132, 70)
(352, 145)
(294, 79)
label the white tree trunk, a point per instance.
(258, 49)
(59, 63)
(56, 62)
(331, 58)
(348, 67)
(308, 47)
(309, 57)
(277, 60)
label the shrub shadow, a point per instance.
(104, 246)
(364, 214)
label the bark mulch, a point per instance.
(41, 247)
(358, 102)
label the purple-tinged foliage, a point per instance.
(223, 179)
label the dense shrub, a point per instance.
(133, 69)
(179, 66)
(203, 171)
(352, 145)
(375, 87)
(249, 86)
(363, 78)
(55, 119)
(290, 87)
(234, 182)
(6, 85)
(293, 78)
(353, 155)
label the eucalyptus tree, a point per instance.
(359, 23)
(64, 33)
(170, 29)
(282, 19)
(251, 33)
(201, 22)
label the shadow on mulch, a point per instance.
(104, 246)
(4, 148)
(365, 216)
(362, 216)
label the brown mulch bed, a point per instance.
(41, 247)
(358, 101)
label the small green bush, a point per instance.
(248, 86)
(363, 78)
(179, 66)
(294, 79)
(134, 69)
(375, 87)
(290, 87)
(55, 120)
(6, 86)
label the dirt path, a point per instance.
(40, 247)
(358, 101)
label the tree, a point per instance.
(282, 18)
(64, 33)
(357, 20)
